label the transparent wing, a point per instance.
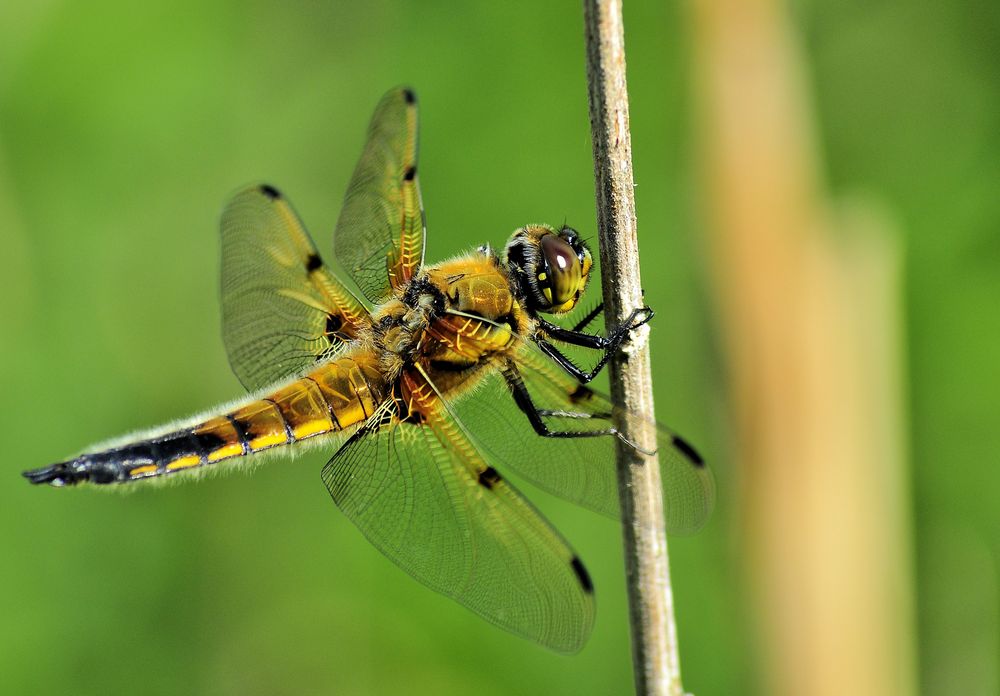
(579, 469)
(424, 496)
(282, 308)
(380, 233)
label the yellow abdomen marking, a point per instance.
(225, 452)
(184, 462)
(337, 394)
(222, 428)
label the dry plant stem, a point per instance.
(811, 316)
(654, 634)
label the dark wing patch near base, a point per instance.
(688, 451)
(313, 262)
(489, 477)
(581, 393)
(582, 575)
(333, 325)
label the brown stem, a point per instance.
(654, 633)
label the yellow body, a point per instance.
(404, 342)
(413, 473)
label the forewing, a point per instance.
(282, 308)
(579, 469)
(380, 233)
(424, 496)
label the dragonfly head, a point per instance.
(550, 266)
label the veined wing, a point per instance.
(282, 308)
(380, 232)
(425, 497)
(579, 469)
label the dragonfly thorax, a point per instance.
(399, 324)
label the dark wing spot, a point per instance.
(409, 96)
(313, 262)
(410, 173)
(270, 191)
(488, 477)
(581, 393)
(582, 575)
(405, 415)
(688, 451)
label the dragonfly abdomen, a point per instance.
(333, 397)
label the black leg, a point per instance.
(586, 340)
(568, 365)
(535, 415)
(609, 344)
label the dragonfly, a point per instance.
(429, 379)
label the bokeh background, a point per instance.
(124, 127)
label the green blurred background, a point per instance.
(124, 127)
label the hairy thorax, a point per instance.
(451, 320)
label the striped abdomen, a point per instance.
(333, 397)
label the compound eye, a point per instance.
(562, 279)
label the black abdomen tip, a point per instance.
(270, 191)
(89, 468)
(409, 95)
(56, 475)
